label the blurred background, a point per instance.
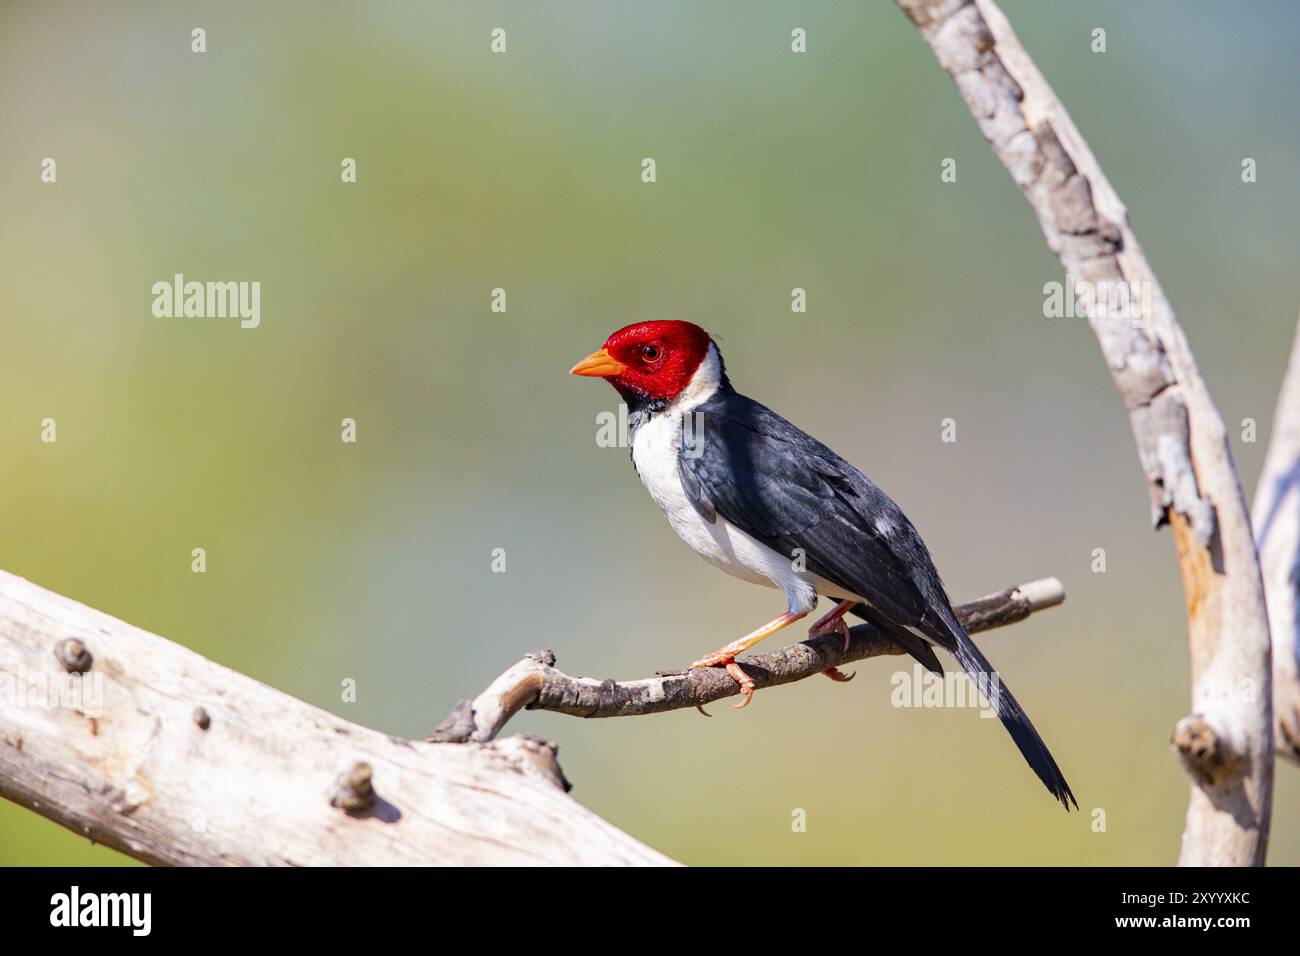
(522, 171)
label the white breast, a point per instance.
(655, 450)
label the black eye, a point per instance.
(651, 353)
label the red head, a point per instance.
(653, 360)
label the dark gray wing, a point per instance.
(788, 490)
(746, 463)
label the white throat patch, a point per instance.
(702, 385)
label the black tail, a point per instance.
(1012, 716)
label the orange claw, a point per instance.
(745, 681)
(833, 623)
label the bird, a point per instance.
(759, 498)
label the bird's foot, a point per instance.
(834, 623)
(838, 626)
(726, 657)
(837, 675)
(723, 655)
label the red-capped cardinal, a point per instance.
(748, 491)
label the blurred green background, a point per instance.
(522, 171)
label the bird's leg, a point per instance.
(724, 654)
(727, 655)
(833, 623)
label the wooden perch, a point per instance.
(140, 744)
(1181, 440)
(535, 684)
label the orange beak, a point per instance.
(599, 364)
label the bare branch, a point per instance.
(1276, 518)
(535, 684)
(1181, 440)
(142, 745)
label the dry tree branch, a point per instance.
(535, 684)
(145, 746)
(1277, 530)
(1226, 743)
(140, 744)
